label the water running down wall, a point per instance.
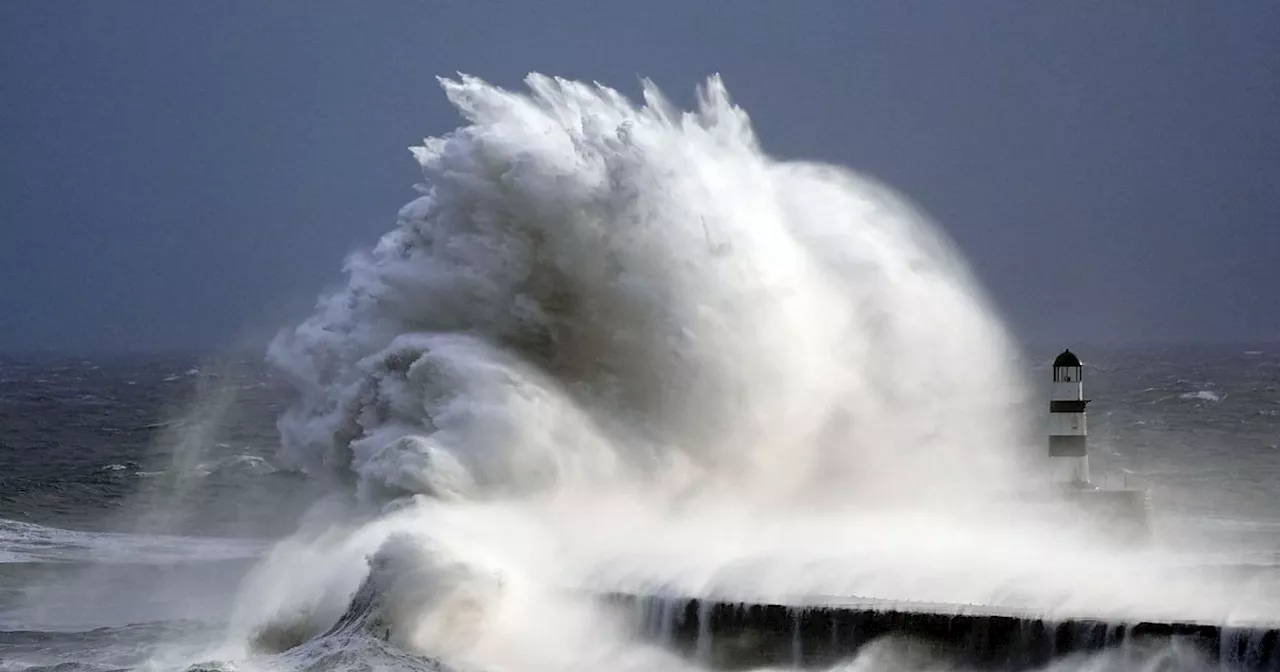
(726, 635)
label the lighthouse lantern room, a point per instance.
(1068, 453)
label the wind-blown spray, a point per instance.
(614, 342)
(592, 291)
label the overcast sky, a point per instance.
(187, 174)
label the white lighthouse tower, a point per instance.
(1068, 453)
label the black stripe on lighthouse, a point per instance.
(1067, 405)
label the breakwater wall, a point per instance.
(734, 635)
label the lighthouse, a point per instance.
(1068, 454)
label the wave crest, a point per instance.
(591, 291)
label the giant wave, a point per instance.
(617, 344)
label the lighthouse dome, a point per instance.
(1067, 358)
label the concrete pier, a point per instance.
(735, 636)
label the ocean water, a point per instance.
(612, 346)
(88, 574)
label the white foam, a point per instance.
(1202, 395)
(592, 290)
(30, 543)
(618, 346)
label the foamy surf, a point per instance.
(594, 291)
(615, 345)
(30, 543)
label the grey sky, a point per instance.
(181, 174)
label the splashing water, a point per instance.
(593, 293)
(618, 345)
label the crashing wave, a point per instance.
(417, 599)
(598, 307)
(590, 291)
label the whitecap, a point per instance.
(1202, 395)
(22, 542)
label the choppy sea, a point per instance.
(129, 514)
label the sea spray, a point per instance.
(591, 291)
(614, 346)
